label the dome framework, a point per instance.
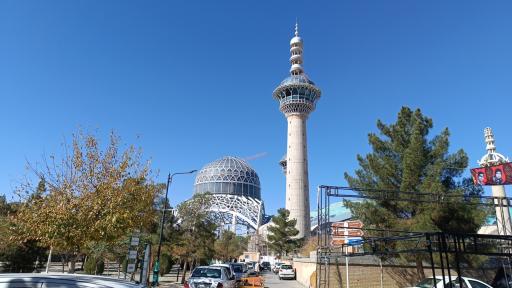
(236, 194)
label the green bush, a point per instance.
(21, 257)
(166, 263)
(124, 265)
(94, 266)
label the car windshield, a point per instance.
(238, 268)
(428, 283)
(206, 273)
(286, 266)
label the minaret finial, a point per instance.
(492, 157)
(296, 52)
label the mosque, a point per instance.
(235, 186)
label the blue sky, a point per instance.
(192, 81)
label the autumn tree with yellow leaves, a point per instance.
(93, 195)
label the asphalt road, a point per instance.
(272, 281)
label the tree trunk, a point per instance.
(49, 260)
(185, 266)
(419, 268)
(83, 262)
(71, 264)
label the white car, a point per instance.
(210, 276)
(276, 266)
(62, 280)
(231, 271)
(286, 271)
(452, 282)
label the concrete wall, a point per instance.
(297, 182)
(367, 274)
(305, 269)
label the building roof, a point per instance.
(228, 175)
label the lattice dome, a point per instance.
(228, 175)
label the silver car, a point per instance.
(61, 280)
(210, 277)
(228, 266)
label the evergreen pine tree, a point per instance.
(403, 158)
(282, 232)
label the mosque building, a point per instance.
(235, 186)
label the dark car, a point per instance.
(265, 266)
(240, 270)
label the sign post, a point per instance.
(145, 271)
(132, 253)
(347, 233)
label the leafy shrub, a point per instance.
(94, 266)
(166, 263)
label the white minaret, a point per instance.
(297, 96)
(490, 159)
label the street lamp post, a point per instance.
(156, 268)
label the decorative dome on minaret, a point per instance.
(297, 93)
(492, 157)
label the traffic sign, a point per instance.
(338, 242)
(350, 224)
(355, 233)
(355, 242)
(132, 254)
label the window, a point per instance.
(476, 284)
(19, 284)
(427, 283)
(206, 273)
(455, 284)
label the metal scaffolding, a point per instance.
(431, 243)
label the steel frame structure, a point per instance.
(242, 214)
(422, 242)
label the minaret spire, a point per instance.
(296, 53)
(492, 157)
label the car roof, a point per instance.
(221, 265)
(455, 277)
(209, 267)
(60, 277)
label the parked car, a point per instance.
(210, 276)
(250, 267)
(452, 282)
(255, 269)
(265, 266)
(62, 280)
(228, 266)
(286, 271)
(240, 270)
(275, 269)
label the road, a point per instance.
(272, 281)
